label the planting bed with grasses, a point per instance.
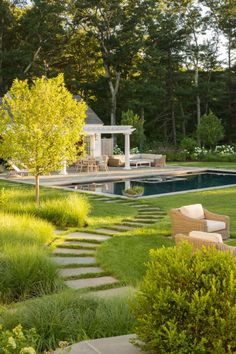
(32, 293)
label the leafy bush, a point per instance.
(187, 302)
(188, 144)
(26, 272)
(117, 150)
(176, 155)
(224, 150)
(131, 118)
(210, 130)
(24, 229)
(133, 191)
(17, 341)
(72, 210)
(69, 317)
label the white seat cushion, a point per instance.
(215, 225)
(207, 236)
(194, 211)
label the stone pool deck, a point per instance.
(112, 345)
(113, 174)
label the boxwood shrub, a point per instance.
(186, 302)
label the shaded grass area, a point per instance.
(222, 201)
(125, 257)
(71, 317)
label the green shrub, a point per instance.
(24, 229)
(18, 341)
(187, 302)
(69, 211)
(176, 155)
(210, 130)
(70, 317)
(188, 144)
(26, 272)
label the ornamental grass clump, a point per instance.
(186, 302)
(71, 210)
(26, 272)
(69, 317)
(24, 230)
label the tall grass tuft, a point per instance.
(62, 209)
(71, 210)
(26, 272)
(24, 229)
(72, 318)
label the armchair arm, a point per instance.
(183, 224)
(213, 216)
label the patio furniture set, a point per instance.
(137, 160)
(200, 227)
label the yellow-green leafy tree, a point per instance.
(40, 126)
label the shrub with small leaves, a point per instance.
(186, 302)
(18, 341)
(117, 150)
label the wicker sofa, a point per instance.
(154, 159)
(207, 222)
(197, 243)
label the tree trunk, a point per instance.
(37, 190)
(229, 89)
(114, 88)
(183, 120)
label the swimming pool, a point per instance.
(158, 185)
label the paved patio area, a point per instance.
(112, 174)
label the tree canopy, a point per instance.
(169, 61)
(40, 124)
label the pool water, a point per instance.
(156, 185)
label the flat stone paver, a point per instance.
(70, 272)
(123, 227)
(125, 291)
(88, 236)
(112, 345)
(73, 260)
(73, 251)
(90, 282)
(107, 231)
(82, 244)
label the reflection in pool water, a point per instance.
(155, 185)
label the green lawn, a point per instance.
(125, 257)
(223, 165)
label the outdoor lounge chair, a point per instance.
(198, 243)
(17, 170)
(195, 217)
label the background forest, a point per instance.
(170, 62)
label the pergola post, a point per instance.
(127, 152)
(63, 171)
(92, 142)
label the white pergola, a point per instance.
(92, 130)
(126, 130)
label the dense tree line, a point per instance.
(158, 58)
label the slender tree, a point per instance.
(40, 125)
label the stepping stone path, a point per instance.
(75, 255)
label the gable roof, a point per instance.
(92, 117)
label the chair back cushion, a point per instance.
(194, 211)
(206, 236)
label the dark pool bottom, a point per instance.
(155, 185)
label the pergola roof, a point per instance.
(109, 129)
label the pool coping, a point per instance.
(109, 195)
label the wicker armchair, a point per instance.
(184, 224)
(199, 243)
